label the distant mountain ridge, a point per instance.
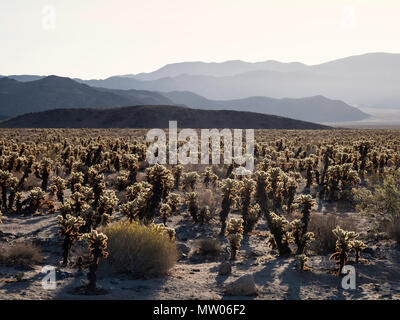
(315, 109)
(216, 69)
(53, 92)
(364, 80)
(153, 117)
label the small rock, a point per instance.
(183, 250)
(225, 268)
(244, 286)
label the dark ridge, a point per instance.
(154, 117)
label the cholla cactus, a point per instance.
(302, 259)
(138, 188)
(36, 197)
(75, 178)
(69, 229)
(234, 234)
(122, 180)
(344, 244)
(229, 188)
(97, 248)
(247, 187)
(204, 214)
(130, 162)
(358, 246)
(165, 212)
(57, 186)
(189, 180)
(280, 238)
(192, 202)
(302, 238)
(5, 177)
(98, 186)
(173, 200)
(252, 218)
(170, 232)
(42, 171)
(107, 202)
(209, 177)
(161, 181)
(177, 172)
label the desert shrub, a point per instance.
(322, 225)
(142, 250)
(393, 230)
(382, 206)
(208, 246)
(20, 253)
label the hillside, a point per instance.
(315, 109)
(53, 92)
(153, 117)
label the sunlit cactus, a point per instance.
(234, 234)
(42, 171)
(122, 180)
(57, 187)
(69, 230)
(358, 246)
(177, 173)
(189, 180)
(174, 200)
(75, 178)
(302, 259)
(344, 244)
(280, 237)
(253, 215)
(209, 177)
(204, 214)
(192, 203)
(5, 177)
(97, 243)
(165, 212)
(36, 196)
(229, 188)
(130, 162)
(247, 187)
(161, 181)
(302, 238)
(138, 188)
(106, 205)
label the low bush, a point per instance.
(145, 251)
(322, 226)
(20, 253)
(208, 246)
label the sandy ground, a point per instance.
(196, 276)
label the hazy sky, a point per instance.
(100, 38)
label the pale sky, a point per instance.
(101, 38)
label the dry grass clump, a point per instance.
(20, 253)
(393, 230)
(145, 251)
(322, 226)
(208, 246)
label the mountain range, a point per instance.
(153, 117)
(369, 80)
(54, 92)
